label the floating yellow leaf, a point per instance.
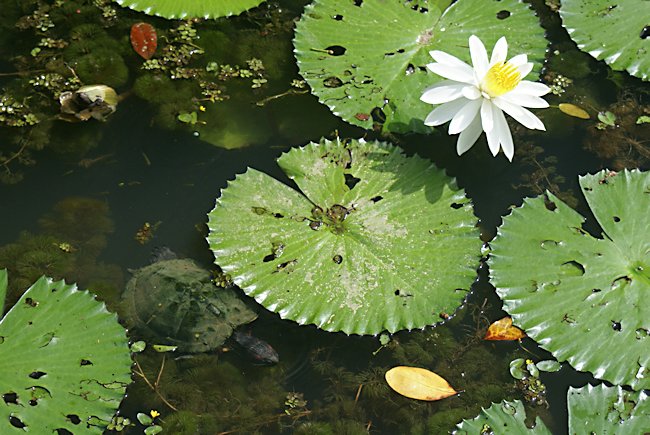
(503, 329)
(573, 110)
(418, 383)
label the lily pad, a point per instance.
(372, 241)
(366, 59)
(616, 32)
(605, 410)
(583, 298)
(190, 8)
(502, 418)
(64, 361)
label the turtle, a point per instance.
(174, 301)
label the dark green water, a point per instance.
(147, 173)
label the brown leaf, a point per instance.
(418, 383)
(503, 329)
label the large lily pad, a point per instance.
(502, 418)
(373, 241)
(64, 361)
(617, 32)
(583, 298)
(190, 8)
(608, 410)
(365, 57)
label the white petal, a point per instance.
(531, 88)
(444, 113)
(479, 55)
(464, 74)
(468, 136)
(447, 59)
(471, 92)
(521, 115)
(503, 131)
(486, 115)
(525, 100)
(500, 51)
(493, 141)
(442, 92)
(525, 69)
(518, 60)
(464, 117)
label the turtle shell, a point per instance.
(174, 302)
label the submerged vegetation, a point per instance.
(352, 234)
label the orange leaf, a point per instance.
(418, 383)
(503, 329)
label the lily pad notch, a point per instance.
(373, 241)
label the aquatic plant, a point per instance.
(71, 237)
(581, 297)
(56, 36)
(102, 66)
(618, 138)
(474, 97)
(255, 397)
(373, 240)
(190, 8)
(362, 394)
(618, 33)
(366, 60)
(29, 257)
(81, 221)
(159, 88)
(228, 125)
(527, 374)
(64, 360)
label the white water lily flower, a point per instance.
(474, 98)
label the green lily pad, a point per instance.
(64, 361)
(502, 418)
(373, 241)
(190, 8)
(608, 410)
(594, 410)
(616, 32)
(366, 59)
(583, 298)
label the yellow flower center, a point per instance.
(501, 78)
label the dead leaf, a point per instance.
(573, 110)
(503, 329)
(418, 383)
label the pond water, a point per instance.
(95, 184)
